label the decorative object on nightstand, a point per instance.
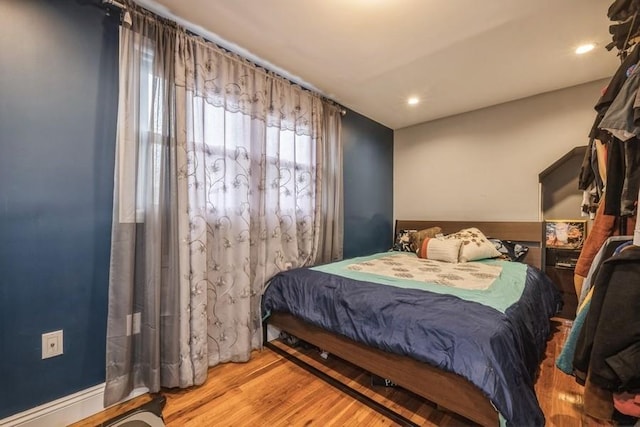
(565, 234)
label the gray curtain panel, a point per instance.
(225, 174)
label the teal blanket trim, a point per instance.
(502, 293)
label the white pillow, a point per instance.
(474, 246)
(440, 249)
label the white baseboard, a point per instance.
(66, 410)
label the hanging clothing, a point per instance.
(623, 177)
(603, 227)
(611, 92)
(628, 404)
(589, 170)
(613, 244)
(610, 246)
(631, 182)
(619, 118)
(623, 172)
(621, 10)
(608, 343)
(598, 402)
(615, 177)
(623, 33)
(564, 362)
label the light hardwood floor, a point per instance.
(272, 391)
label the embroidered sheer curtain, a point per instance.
(225, 175)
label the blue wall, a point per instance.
(368, 185)
(58, 103)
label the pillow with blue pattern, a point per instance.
(402, 242)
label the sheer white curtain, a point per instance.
(225, 175)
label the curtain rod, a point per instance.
(113, 3)
(125, 16)
(160, 11)
(206, 36)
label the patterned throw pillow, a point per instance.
(402, 242)
(446, 250)
(475, 245)
(416, 238)
(510, 251)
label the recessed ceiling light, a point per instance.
(585, 48)
(413, 100)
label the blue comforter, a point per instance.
(497, 351)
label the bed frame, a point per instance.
(447, 390)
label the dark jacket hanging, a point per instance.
(607, 348)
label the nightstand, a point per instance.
(559, 266)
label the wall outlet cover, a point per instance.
(52, 344)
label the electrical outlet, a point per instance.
(52, 344)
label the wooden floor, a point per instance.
(272, 391)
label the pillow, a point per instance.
(475, 245)
(510, 251)
(446, 250)
(416, 238)
(402, 243)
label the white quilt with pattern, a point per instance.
(467, 275)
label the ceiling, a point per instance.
(371, 55)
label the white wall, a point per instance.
(484, 165)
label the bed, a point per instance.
(470, 356)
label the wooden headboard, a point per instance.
(526, 232)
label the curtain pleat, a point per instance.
(330, 179)
(225, 175)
